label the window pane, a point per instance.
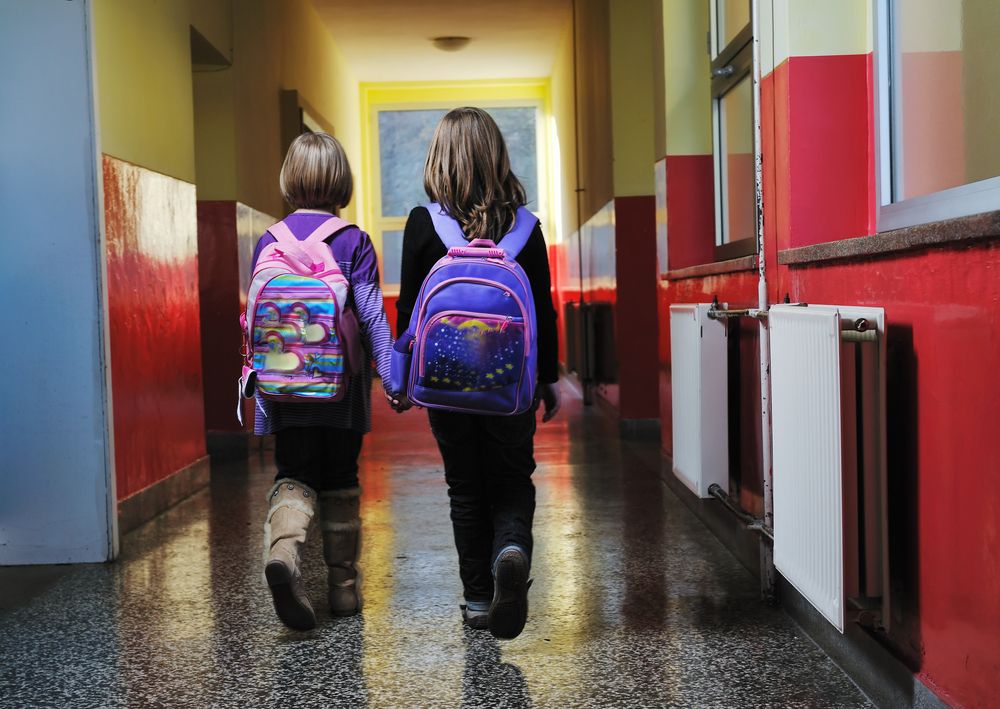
(737, 163)
(518, 128)
(404, 137)
(734, 15)
(392, 257)
(946, 106)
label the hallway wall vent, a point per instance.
(828, 399)
(700, 398)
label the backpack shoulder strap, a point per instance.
(516, 239)
(327, 229)
(447, 227)
(281, 233)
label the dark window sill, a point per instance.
(744, 263)
(958, 232)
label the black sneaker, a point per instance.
(475, 618)
(509, 609)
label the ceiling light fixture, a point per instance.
(450, 44)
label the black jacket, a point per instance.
(422, 248)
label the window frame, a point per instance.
(378, 224)
(961, 201)
(730, 65)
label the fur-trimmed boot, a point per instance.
(341, 548)
(292, 508)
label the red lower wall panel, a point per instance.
(391, 313)
(152, 258)
(219, 286)
(823, 117)
(690, 210)
(635, 312)
(943, 454)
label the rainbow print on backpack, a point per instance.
(294, 325)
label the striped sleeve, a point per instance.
(370, 307)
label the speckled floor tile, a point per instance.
(635, 604)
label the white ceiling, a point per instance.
(389, 40)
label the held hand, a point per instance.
(399, 403)
(549, 396)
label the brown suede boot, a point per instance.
(292, 507)
(341, 547)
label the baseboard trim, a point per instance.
(886, 680)
(741, 543)
(639, 429)
(161, 496)
(228, 445)
(883, 677)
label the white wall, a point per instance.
(56, 457)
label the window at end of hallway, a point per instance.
(403, 137)
(938, 108)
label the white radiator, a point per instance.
(700, 398)
(816, 491)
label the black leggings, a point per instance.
(488, 462)
(322, 457)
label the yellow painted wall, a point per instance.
(285, 46)
(805, 28)
(593, 87)
(632, 96)
(143, 67)
(214, 20)
(687, 74)
(214, 134)
(564, 141)
(218, 128)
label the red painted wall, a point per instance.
(824, 148)
(156, 373)
(636, 328)
(690, 210)
(220, 299)
(943, 354)
(943, 453)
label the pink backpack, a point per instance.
(300, 336)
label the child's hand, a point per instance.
(399, 404)
(549, 396)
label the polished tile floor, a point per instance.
(635, 604)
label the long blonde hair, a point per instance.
(468, 173)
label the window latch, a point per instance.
(723, 72)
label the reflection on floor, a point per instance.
(634, 602)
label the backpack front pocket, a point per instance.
(471, 352)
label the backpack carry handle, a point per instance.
(478, 248)
(473, 251)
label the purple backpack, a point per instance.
(471, 343)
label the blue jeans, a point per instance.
(488, 462)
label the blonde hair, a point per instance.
(468, 173)
(316, 174)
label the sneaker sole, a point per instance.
(290, 611)
(509, 609)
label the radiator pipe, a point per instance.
(768, 575)
(723, 314)
(754, 524)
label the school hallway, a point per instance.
(772, 234)
(634, 603)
